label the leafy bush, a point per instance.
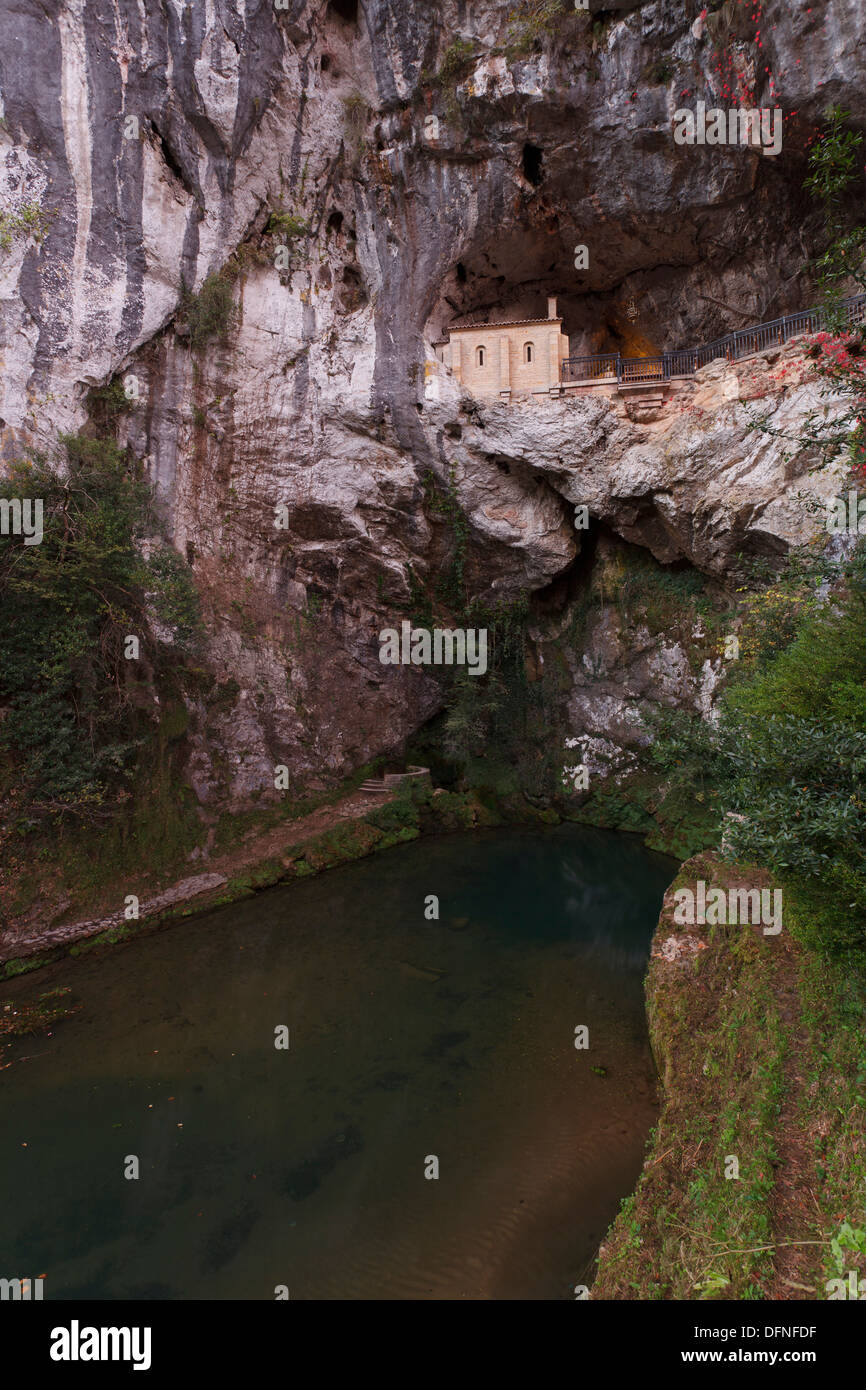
(74, 719)
(105, 403)
(454, 65)
(769, 624)
(458, 58)
(211, 312)
(174, 597)
(29, 220)
(788, 758)
(800, 785)
(287, 226)
(820, 673)
(530, 22)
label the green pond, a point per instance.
(410, 1040)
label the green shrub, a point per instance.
(174, 597)
(105, 403)
(456, 61)
(287, 226)
(75, 719)
(29, 220)
(819, 672)
(210, 313)
(788, 758)
(530, 22)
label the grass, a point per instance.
(833, 995)
(688, 1232)
(29, 221)
(212, 312)
(775, 1031)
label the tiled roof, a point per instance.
(508, 323)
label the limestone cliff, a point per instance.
(293, 150)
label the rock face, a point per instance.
(697, 483)
(360, 203)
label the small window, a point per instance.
(480, 357)
(527, 352)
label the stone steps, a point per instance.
(392, 780)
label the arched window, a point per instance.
(480, 356)
(527, 352)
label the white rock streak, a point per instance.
(75, 115)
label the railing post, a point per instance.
(619, 369)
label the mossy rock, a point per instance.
(175, 722)
(22, 965)
(399, 837)
(106, 938)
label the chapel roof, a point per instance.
(507, 323)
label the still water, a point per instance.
(409, 1040)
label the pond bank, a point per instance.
(350, 828)
(759, 1044)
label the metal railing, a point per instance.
(591, 368)
(734, 346)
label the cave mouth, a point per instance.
(345, 10)
(533, 164)
(510, 275)
(637, 291)
(513, 277)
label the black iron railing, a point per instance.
(610, 366)
(591, 368)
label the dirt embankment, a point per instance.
(356, 825)
(757, 1161)
(262, 857)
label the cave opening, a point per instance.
(346, 10)
(633, 291)
(351, 291)
(566, 587)
(533, 160)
